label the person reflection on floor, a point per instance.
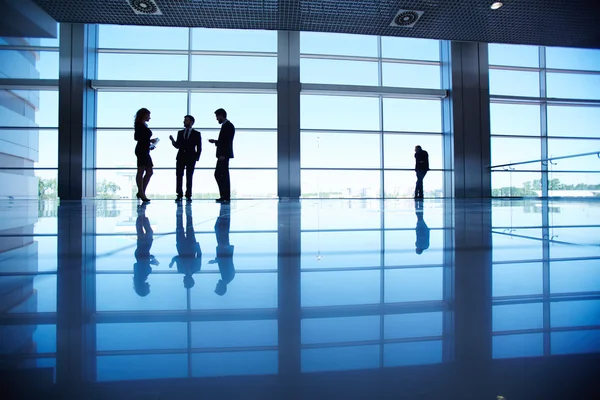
(422, 230)
(142, 268)
(224, 250)
(189, 258)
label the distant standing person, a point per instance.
(421, 168)
(189, 143)
(143, 136)
(224, 146)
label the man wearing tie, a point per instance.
(189, 143)
(224, 153)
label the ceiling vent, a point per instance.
(406, 18)
(144, 7)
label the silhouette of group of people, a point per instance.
(189, 149)
(189, 253)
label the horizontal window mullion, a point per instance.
(371, 342)
(28, 48)
(173, 168)
(202, 129)
(28, 128)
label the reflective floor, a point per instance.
(313, 299)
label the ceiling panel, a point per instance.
(572, 23)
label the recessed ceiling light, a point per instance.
(496, 5)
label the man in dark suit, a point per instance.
(421, 168)
(224, 152)
(189, 143)
(189, 258)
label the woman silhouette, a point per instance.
(143, 137)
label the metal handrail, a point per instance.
(546, 159)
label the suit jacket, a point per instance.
(225, 141)
(189, 149)
(422, 161)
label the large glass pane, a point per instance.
(141, 336)
(399, 150)
(573, 121)
(251, 149)
(28, 64)
(412, 353)
(340, 358)
(514, 83)
(510, 183)
(518, 346)
(513, 55)
(339, 112)
(410, 48)
(573, 86)
(338, 44)
(141, 366)
(412, 115)
(351, 288)
(517, 245)
(417, 246)
(345, 215)
(143, 67)
(234, 40)
(574, 276)
(234, 363)
(568, 147)
(411, 75)
(413, 325)
(517, 279)
(570, 58)
(575, 342)
(340, 330)
(117, 109)
(227, 69)
(574, 183)
(514, 150)
(340, 249)
(244, 110)
(32, 108)
(340, 184)
(321, 150)
(399, 184)
(244, 183)
(142, 37)
(414, 284)
(339, 72)
(517, 317)
(224, 334)
(515, 119)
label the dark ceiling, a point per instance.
(572, 23)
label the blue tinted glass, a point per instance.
(142, 37)
(233, 40)
(340, 330)
(410, 48)
(568, 58)
(573, 121)
(235, 363)
(573, 86)
(340, 358)
(412, 115)
(147, 366)
(339, 72)
(517, 279)
(411, 75)
(339, 112)
(227, 69)
(575, 313)
(319, 150)
(514, 83)
(577, 342)
(141, 336)
(223, 334)
(403, 326)
(412, 353)
(338, 44)
(414, 284)
(513, 346)
(513, 55)
(517, 316)
(145, 67)
(340, 288)
(574, 276)
(340, 249)
(515, 119)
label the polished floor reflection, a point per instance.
(325, 298)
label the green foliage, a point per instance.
(47, 189)
(107, 190)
